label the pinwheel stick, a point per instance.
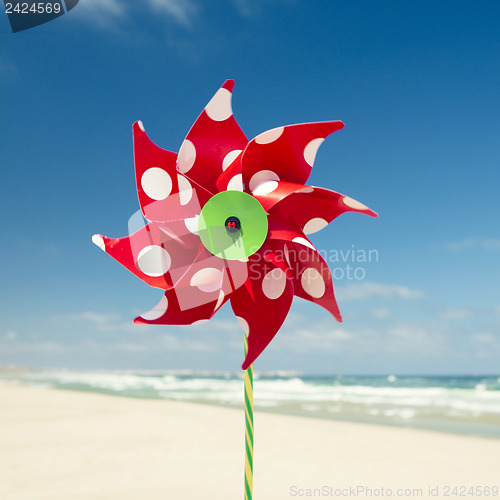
(248, 428)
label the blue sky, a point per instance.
(416, 85)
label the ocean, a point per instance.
(457, 404)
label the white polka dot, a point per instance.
(220, 300)
(261, 176)
(236, 183)
(244, 324)
(98, 240)
(186, 156)
(315, 225)
(269, 136)
(273, 284)
(311, 149)
(156, 183)
(265, 187)
(141, 125)
(230, 157)
(219, 107)
(154, 261)
(313, 283)
(192, 224)
(200, 322)
(158, 311)
(303, 241)
(287, 256)
(305, 189)
(207, 280)
(350, 202)
(185, 190)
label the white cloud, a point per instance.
(104, 322)
(245, 7)
(208, 337)
(102, 12)
(106, 12)
(254, 8)
(424, 338)
(146, 344)
(105, 348)
(183, 11)
(305, 339)
(10, 335)
(456, 313)
(44, 347)
(485, 338)
(475, 243)
(188, 343)
(96, 318)
(381, 313)
(368, 290)
(396, 338)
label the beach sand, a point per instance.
(62, 445)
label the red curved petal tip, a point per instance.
(253, 353)
(139, 321)
(138, 127)
(352, 205)
(249, 359)
(98, 240)
(228, 85)
(369, 212)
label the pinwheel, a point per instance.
(229, 219)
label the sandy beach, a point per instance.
(72, 445)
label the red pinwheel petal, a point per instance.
(263, 303)
(231, 179)
(284, 153)
(184, 232)
(164, 194)
(310, 274)
(269, 193)
(213, 142)
(150, 254)
(169, 312)
(308, 208)
(312, 278)
(207, 279)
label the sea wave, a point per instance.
(469, 405)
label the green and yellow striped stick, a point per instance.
(248, 428)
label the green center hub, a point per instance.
(232, 225)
